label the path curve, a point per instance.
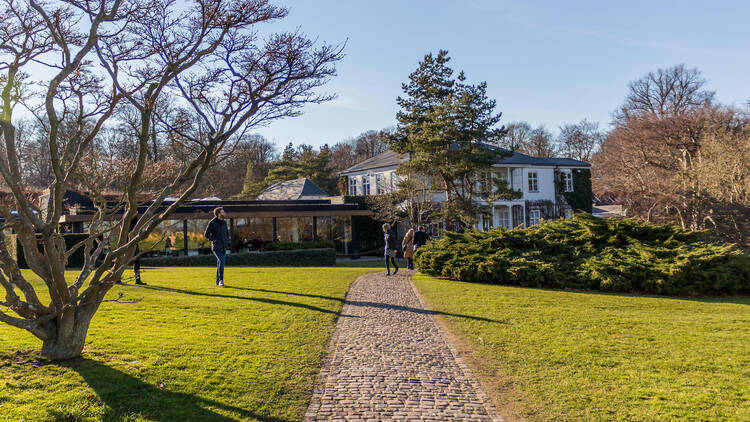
(390, 360)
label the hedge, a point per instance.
(290, 246)
(296, 258)
(586, 252)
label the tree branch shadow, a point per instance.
(128, 396)
(255, 299)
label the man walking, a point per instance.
(218, 234)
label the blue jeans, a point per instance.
(221, 261)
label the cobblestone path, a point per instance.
(389, 360)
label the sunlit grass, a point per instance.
(183, 349)
(593, 356)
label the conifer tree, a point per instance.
(446, 125)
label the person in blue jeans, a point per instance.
(218, 234)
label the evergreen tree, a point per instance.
(446, 126)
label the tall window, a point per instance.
(503, 215)
(486, 223)
(534, 217)
(352, 186)
(380, 183)
(394, 181)
(365, 185)
(533, 182)
(567, 181)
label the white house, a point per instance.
(534, 177)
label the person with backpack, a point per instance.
(218, 233)
(390, 249)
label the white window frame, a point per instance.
(567, 176)
(352, 186)
(535, 216)
(394, 181)
(533, 178)
(504, 220)
(365, 185)
(379, 183)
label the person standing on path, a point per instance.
(218, 233)
(420, 238)
(408, 246)
(390, 249)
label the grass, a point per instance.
(183, 349)
(563, 355)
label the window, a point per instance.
(533, 182)
(352, 186)
(365, 185)
(486, 223)
(567, 181)
(534, 217)
(394, 181)
(517, 215)
(503, 216)
(380, 183)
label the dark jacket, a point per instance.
(390, 239)
(420, 238)
(217, 233)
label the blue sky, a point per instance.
(546, 62)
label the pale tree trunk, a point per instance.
(67, 333)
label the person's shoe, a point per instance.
(394, 273)
(221, 283)
(140, 283)
(387, 274)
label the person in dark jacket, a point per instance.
(218, 234)
(420, 237)
(390, 248)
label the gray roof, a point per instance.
(391, 158)
(385, 159)
(291, 190)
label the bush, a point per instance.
(297, 258)
(290, 246)
(586, 252)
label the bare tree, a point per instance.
(580, 140)
(540, 143)
(206, 57)
(516, 137)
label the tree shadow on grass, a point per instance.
(338, 299)
(375, 305)
(129, 398)
(255, 299)
(741, 299)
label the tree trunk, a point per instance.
(68, 333)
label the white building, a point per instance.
(534, 177)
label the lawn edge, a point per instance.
(461, 354)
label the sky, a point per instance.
(545, 62)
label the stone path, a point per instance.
(389, 360)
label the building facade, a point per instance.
(547, 186)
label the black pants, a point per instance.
(388, 264)
(410, 264)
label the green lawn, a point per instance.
(562, 355)
(182, 349)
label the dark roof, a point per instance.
(390, 158)
(291, 190)
(386, 159)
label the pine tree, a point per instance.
(446, 126)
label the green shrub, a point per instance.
(586, 252)
(296, 258)
(290, 246)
